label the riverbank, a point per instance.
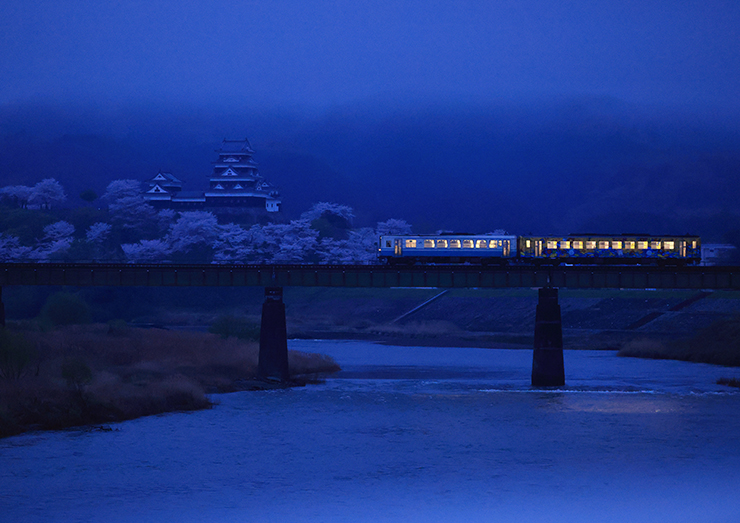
(102, 373)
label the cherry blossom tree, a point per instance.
(11, 249)
(194, 232)
(56, 242)
(133, 213)
(147, 251)
(236, 244)
(393, 226)
(46, 192)
(118, 189)
(17, 194)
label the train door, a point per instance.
(683, 249)
(538, 248)
(507, 248)
(398, 247)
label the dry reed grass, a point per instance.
(135, 372)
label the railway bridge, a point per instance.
(547, 361)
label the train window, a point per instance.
(577, 244)
(590, 244)
(528, 244)
(387, 243)
(616, 245)
(603, 244)
(655, 244)
(441, 244)
(481, 244)
(629, 245)
(467, 244)
(552, 244)
(429, 244)
(669, 245)
(494, 244)
(693, 244)
(454, 244)
(565, 244)
(642, 245)
(411, 244)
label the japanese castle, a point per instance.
(234, 185)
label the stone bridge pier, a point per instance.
(273, 355)
(548, 369)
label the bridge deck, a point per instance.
(441, 276)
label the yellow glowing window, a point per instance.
(565, 244)
(642, 245)
(655, 245)
(454, 244)
(411, 244)
(590, 244)
(616, 245)
(552, 244)
(528, 244)
(481, 244)
(429, 244)
(441, 244)
(467, 244)
(669, 245)
(693, 244)
(578, 244)
(629, 245)
(493, 244)
(603, 244)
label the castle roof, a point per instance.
(235, 146)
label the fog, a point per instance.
(571, 165)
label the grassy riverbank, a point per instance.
(100, 373)
(718, 344)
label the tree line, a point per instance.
(125, 227)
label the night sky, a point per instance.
(315, 55)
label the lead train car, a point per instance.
(447, 248)
(581, 249)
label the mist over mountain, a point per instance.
(557, 167)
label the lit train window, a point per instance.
(467, 244)
(528, 243)
(552, 244)
(590, 244)
(629, 245)
(411, 244)
(481, 244)
(616, 245)
(429, 244)
(578, 244)
(565, 244)
(693, 244)
(441, 244)
(669, 245)
(642, 245)
(454, 244)
(655, 244)
(603, 245)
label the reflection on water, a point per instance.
(407, 434)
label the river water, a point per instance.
(407, 434)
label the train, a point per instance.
(507, 249)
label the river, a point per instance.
(407, 434)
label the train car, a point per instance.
(624, 249)
(447, 248)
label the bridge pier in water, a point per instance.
(2, 309)
(548, 369)
(273, 354)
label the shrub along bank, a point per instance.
(99, 373)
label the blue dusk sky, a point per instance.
(313, 55)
